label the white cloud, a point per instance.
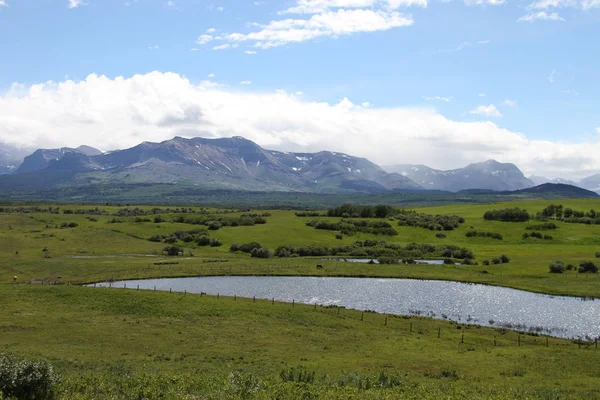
(439, 98)
(337, 23)
(481, 94)
(203, 39)
(322, 6)
(509, 103)
(598, 131)
(211, 30)
(211, 75)
(122, 112)
(76, 3)
(194, 49)
(246, 83)
(171, 4)
(486, 111)
(484, 2)
(547, 4)
(224, 46)
(220, 9)
(250, 52)
(552, 77)
(542, 15)
(154, 47)
(3, 3)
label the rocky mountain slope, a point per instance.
(227, 163)
(490, 175)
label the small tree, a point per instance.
(557, 267)
(587, 266)
(173, 250)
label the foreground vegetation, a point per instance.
(111, 343)
(123, 344)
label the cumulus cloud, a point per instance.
(122, 112)
(486, 111)
(541, 15)
(509, 103)
(76, 3)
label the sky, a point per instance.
(435, 82)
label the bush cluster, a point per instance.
(507, 215)
(214, 223)
(383, 251)
(26, 379)
(429, 221)
(198, 236)
(492, 235)
(348, 227)
(352, 211)
(536, 235)
(253, 248)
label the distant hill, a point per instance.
(554, 190)
(491, 175)
(226, 163)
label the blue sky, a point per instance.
(529, 68)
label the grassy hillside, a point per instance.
(118, 247)
(115, 343)
(121, 344)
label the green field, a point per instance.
(115, 343)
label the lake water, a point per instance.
(462, 302)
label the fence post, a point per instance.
(494, 341)
(217, 295)
(138, 288)
(546, 341)
(362, 316)
(273, 301)
(185, 292)
(169, 290)
(410, 329)
(234, 297)
(155, 288)
(385, 324)
(315, 306)
(254, 299)
(293, 302)
(462, 338)
(124, 286)
(338, 311)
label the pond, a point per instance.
(462, 302)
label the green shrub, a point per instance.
(587, 266)
(26, 379)
(557, 267)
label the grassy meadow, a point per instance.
(121, 344)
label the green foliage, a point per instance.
(587, 266)
(348, 227)
(429, 221)
(557, 267)
(507, 215)
(492, 235)
(353, 211)
(27, 380)
(172, 250)
(542, 227)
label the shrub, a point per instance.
(598, 254)
(496, 261)
(260, 252)
(557, 267)
(215, 243)
(440, 235)
(587, 266)
(26, 380)
(173, 250)
(486, 262)
(158, 219)
(507, 215)
(448, 261)
(504, 259)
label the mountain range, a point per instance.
(239, 164)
